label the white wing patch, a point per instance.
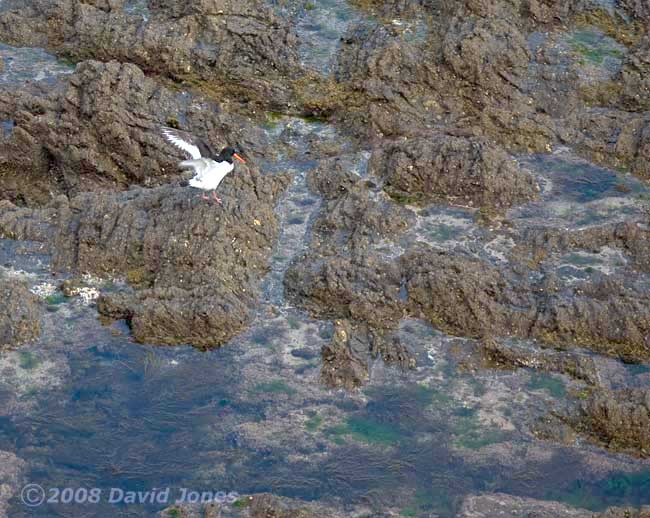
(177, 141)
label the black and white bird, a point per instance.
(208, 172)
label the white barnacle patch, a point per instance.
(43, 290)
(90, 291)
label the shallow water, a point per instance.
(596, 51)
(86, 407)
(577, 194)
(23, 65)
(319, 26)
(137, 7)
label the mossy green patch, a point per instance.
(274, 387)
(336, 433)
(405, 198)
(56, 298)
(313, 423)
(136, 276)
(618, 489)
(425, 395)
(67, 61)
(593, 46)
(293, 323)
(172, 122)
(368, 430)
(364, 429)
(583, 394)
(272, 119)
(624, 31)
(629, 486)
(27, 360)
(604, 93)
(552, 384)
(487, 215)
(315, 119)
(469, 433)
(242, 503)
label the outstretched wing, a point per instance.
(182, 140)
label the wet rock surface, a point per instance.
(100, 130)
(489, 505)
(501, 354)
(505, 73)
(261, 505)
(618, 419)
(629, 511)
(346, 288)
(439, 284)
(198, 40)
(631, 237)
(20, 313)
(346, 359)
(466, 296)
(343, 363)
(457, 170)
(12, 470)
(638, 9)
(193, 267)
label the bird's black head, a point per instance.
(227, 154)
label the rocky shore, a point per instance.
(487, 175)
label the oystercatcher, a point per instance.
(208, 172)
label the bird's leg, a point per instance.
(216, 198)
(205, 197)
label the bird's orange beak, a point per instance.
(239, 158)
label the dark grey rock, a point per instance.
(20, 313)
(194, 267)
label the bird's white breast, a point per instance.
(208, 173)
